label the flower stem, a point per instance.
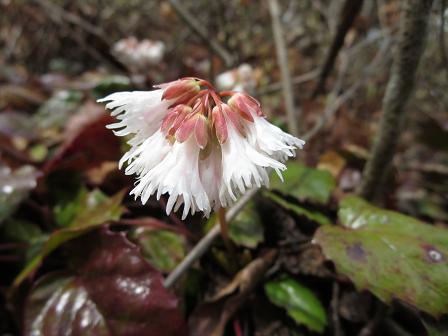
(223, 224)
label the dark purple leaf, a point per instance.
(113, 291)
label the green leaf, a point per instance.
(89, 208)
(305, 183)
(95, 213)
(390, 254)
(111, 84)
(163, 248)
(247, 229)
(298, 210)
(300, 302)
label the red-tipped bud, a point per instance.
(181, 90)
(219, 122)
(174, 119)
(245, 105)
(234, 117)
(185, 129)
(201, 131)
(168, 121)
(196, 124)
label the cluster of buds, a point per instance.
(201, 147)
(204, 113)
(138, 55)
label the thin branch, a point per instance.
(371, 327)
(337, 331)
(282, 58)
(59, 16)
(413, 29)
(203, 245)
(214, 45)
(349, 12)
(274, 87)
(443, 53)
(334, 102)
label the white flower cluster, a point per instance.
(202, 148)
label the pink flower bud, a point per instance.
(219, 122)
(201, 131)
(233, 116)
(245, 105)
(181, 89)
(174, 118)
(185, 129)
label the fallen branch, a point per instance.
(203, 245)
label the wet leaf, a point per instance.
(312, 215)
(306, 183)
(299, 301)
(91, 216)
(111, 291)
(390, 254)
(60, 305)
(247, 229)
(14, 187)
(163, 248)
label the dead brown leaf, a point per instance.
(211, 317)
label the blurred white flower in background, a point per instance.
(139, 55)
(240, 79)
(201, 147)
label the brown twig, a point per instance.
(349, 12)
(189, 19)
(334, 102)
(282, 58)
(337, 331)
(224, 226)
(443, 53)
(371, 327)
(274, 87)
(59, 16)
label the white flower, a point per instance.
(239, 79)
(139, 55)
(188, 143)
